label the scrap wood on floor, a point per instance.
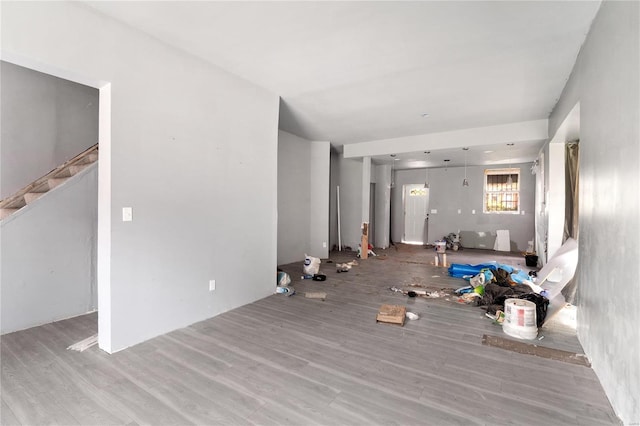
(84, 344)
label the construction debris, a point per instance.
(316, 295)
(392, 314)
(84, 344)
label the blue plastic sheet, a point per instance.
(459, 270)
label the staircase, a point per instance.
(46, 183)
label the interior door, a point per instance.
(416, 204)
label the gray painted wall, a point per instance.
(319, 169)
(303, 198)
(605, 82)
(294, 198)
(49, 256)
(334, 181)
(447, 196)
(382, 178)
(349, 173)
(192, 149)
(45, 121)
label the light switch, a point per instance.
(459, 211)
(473, 212)
(434, 211)
(127, 214)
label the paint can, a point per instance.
(520, 319)
(441, 246)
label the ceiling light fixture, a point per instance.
(426, 167)
(465, 182)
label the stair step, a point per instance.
(53, 182)
(30, 197)
(77, 168)
(7, 212)
(64, 173)
(17, 203)
(91, 158)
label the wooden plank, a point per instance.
(530, 349)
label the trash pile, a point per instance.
(310, 271)
(345, 267)
(370, 251)
(434, 294)
(453, 241)
(491, 284)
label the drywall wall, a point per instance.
(349, 173)
(605, 83)
(49, 255)
(334, 181)
(303, 198)
(200, 176)
(382, 176)
(447, 196)
(294, 197)
(319, 170)
(45, 121)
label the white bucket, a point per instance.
(441, 246)
(520, 319)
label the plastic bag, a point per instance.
(311, 265)
(283, 279)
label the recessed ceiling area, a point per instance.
(351, 72)
(484, 155)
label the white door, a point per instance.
(416, 204)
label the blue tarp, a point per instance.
(459, 270)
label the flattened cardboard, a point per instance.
(392, 314)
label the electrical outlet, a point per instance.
(473, 212)
(434, 211)
(459, 211)
(127, 214)
(212, 285)
(324, 244)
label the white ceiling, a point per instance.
(349, 72)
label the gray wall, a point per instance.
(319, 169)
(49, 256)
(447, 195)
(382, 177)
(348, 174)
(191, 148)
(294, 198)
(303, 198)
(45, 121)
(605, 82)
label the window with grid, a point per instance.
(502, 190)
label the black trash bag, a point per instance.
(542, 303)
(503, 278)
(495, 295)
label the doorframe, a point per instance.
(103, 256)
(404, 215)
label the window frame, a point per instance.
(502, 171)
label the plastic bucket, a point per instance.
(531, 260)
(441, 246)
(520, 319)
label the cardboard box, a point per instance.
(392, 314)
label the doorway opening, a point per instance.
(415, 202)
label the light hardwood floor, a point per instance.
(291, 360)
